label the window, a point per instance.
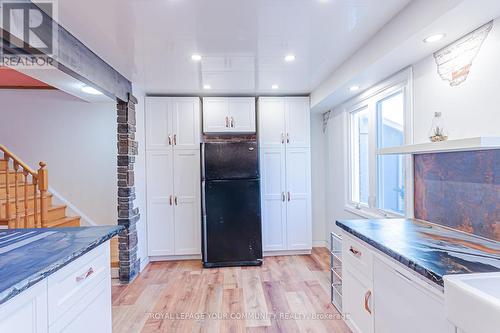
(378, 183)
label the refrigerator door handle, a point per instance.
(204, 221)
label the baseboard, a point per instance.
(320, 243)
(174, 258)
(73, 210)
(286, 253)
(144, 263)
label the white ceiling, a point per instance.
(243, 42)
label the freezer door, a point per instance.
(231, 160)
(232, 221)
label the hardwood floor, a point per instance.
(286, 294)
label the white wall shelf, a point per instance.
(469, 144)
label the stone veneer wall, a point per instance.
(460, 190)
(128, 215)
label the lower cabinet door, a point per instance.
(272, 166)
(357, 301)
(187, 202)
(26, 312)
(91, 314)
(298, 197)
(160, 203)
(401, 305)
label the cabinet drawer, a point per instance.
(70, 284)
(357, 255)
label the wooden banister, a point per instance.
(13, 210)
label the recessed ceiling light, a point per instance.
(196, 57)
(91, 90)
(434, 38)
(354, 88)
(275, 86)
(207, 87)
(289, 57)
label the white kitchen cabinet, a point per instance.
(357, 300)
(273, 187)
(173, 176)
(229, 115)
(74, 299)
(298, 205)
(26, 312)
(284, 121)
(286, 199)
(173, 195)
(172, 122)
(401, 305)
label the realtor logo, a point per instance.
(28, 36)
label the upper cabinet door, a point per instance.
(186, 122)
(271, 122)
(187, 202)
(242, 114)
(215, 115)
(158, 123)
(298, 196)
(298, 118)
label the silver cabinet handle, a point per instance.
(232, 122)
(85, 275)
(356, 253)
(170, 200)
(169, 140)
(287, 137)
(283, 196)
(227, 121)
(175, 200)
(282, 138)
(289, 196)
(175, 139)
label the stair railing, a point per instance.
(16, 210)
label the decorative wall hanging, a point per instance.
(455, 60)
(326, 117)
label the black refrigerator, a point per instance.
(231, 218)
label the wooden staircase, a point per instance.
(24, 198)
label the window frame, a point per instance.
(402, 81)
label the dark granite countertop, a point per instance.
(28, 256)
(430, 250)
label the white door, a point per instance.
(187, 202)
(357, 300)
(271, 121)
(272, 168)
(298, 187)
(27, 312)
(186, 122)
(215, 115)
(160, 203)
(394, 312)
(158, 123)
(298, 118)
(242, 114)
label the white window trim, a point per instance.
(402, 80)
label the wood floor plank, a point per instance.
(287, 288)
(254, 300)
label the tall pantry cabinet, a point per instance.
(173, 175)
(285, 158)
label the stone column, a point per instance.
(128, 215)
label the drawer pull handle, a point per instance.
(357, 253)
(368, 295)
(85, 275)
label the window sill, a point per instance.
(371, 213)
